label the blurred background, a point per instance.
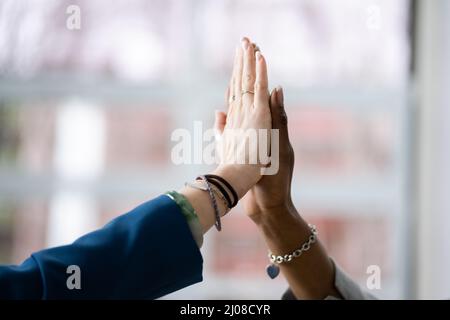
(86, 116)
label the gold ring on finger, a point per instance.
(246, 91)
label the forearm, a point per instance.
(310, 276)
(135, 256)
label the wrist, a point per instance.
(283, 229)
(241, 177)
(266, 214)
(276, 217)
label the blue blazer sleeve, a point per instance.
(144, 254)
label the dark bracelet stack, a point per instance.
(222, 186)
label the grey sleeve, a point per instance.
(348, 288)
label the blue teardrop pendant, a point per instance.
(272, 270)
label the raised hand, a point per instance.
(248, 110)
(272, 194)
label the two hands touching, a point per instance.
(251, 106)
(260, 110)
(267, 198)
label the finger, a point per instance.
(231, 93)
(248, 72)
(279, 117)
(229, 99)
(228, 94)
(261, 82)
(231, 87)
(220, 121)
(237, 73)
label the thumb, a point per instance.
(220, 121)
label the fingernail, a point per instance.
(258, 55)
(280, 96)
(244, 43)
(273, 93)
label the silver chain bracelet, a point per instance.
(273, 270)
